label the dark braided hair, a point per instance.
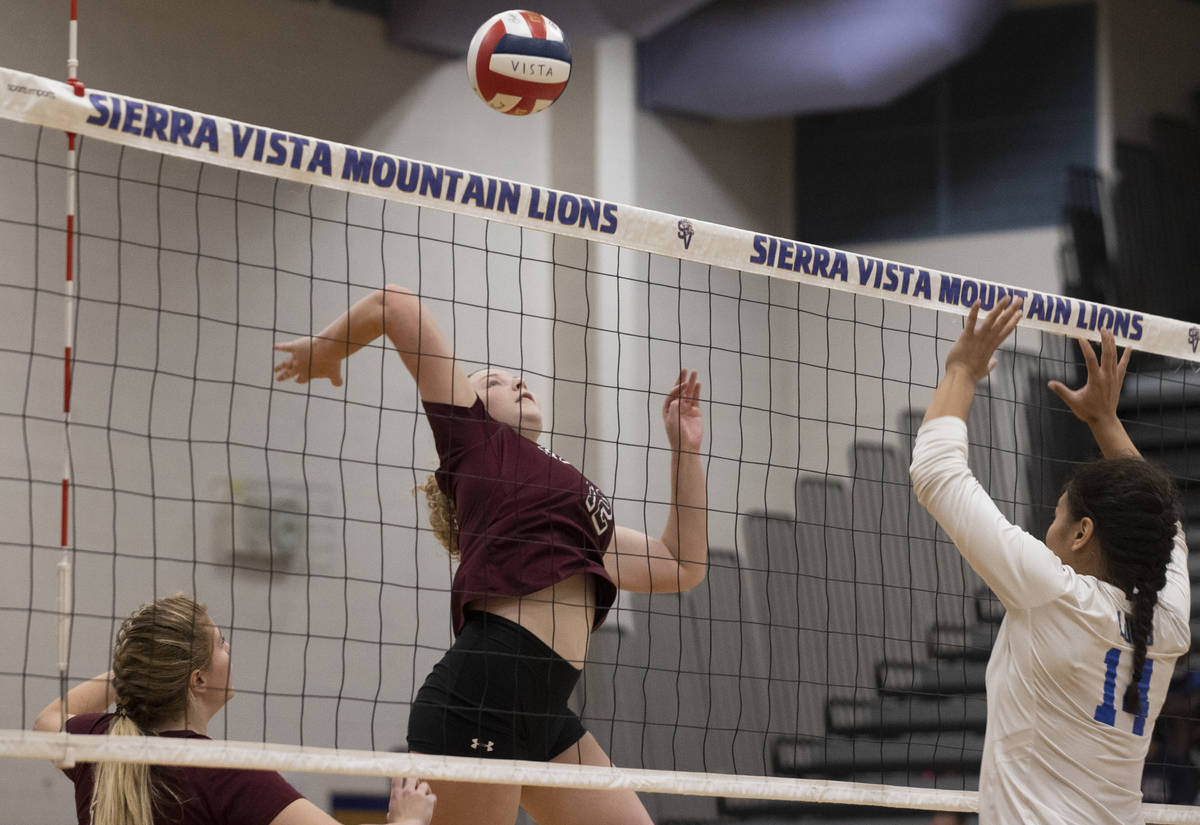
(1134, 506)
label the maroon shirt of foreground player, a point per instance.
(527, 519)
(198, 796)
(171, 670)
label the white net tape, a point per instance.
(65, 750)
(207, 138)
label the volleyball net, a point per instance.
(834, 654)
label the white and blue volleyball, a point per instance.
(519, 62)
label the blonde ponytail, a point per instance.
(442, 516)
(123, 792)
(157, 649)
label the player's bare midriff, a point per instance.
(560, 615)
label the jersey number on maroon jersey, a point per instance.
(599, 509)
(1107, 712)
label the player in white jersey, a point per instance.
(1096, 615)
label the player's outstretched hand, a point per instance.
(309, 358)
(681, 413)
(411, 803)
(975, 349)
(1097, 398)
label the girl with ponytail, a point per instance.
(170, 675)
(1095, 616)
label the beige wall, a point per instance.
(1023, 258)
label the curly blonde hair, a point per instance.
(442, 516)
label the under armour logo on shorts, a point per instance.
(476, 745)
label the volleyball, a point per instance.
(519, 62)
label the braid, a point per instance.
(157, 649)
(1140, 625)
(1134, 506)
(442, 516)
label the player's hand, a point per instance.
(411, 802)
(1097, 398)
(681, 413)
(975, 350)
(309, 358)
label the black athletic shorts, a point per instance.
(499, 692)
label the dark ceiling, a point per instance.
(738, 59)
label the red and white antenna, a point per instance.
(64, 565)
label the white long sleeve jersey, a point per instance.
(1059, 748)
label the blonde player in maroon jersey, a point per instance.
(171, 672)
(540, 560)
(1095, 616)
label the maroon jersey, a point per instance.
(198, 796)
(526, 518)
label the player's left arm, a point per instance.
(678, 560)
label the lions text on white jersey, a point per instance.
(1059, 747)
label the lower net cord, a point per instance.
(67, 749)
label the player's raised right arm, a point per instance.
(393, 311)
